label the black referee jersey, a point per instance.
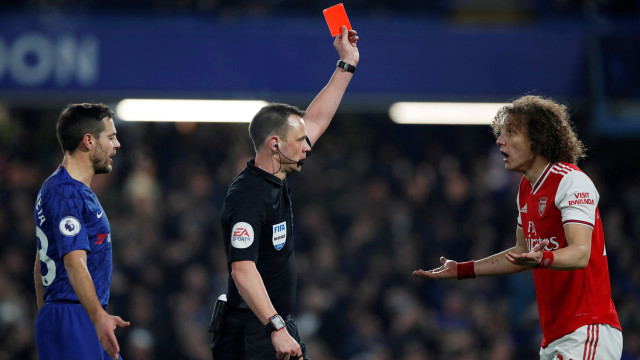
(257, 225)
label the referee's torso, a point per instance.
(257, 224)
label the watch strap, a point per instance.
(348, 67)
(276, 322)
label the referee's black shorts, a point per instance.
(243, 337)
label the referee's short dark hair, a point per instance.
(271, 119)
(79, 119)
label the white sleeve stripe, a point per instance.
(563, 166)
(561, 169)
(579, 222)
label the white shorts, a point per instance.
(589, 342)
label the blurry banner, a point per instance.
(113, 57)
(34, 59)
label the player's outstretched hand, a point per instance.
(286, 347)
(448, 270)
(531, 258)
(346, 44)
(105, 327)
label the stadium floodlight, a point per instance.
(175, 110)
(444, 113)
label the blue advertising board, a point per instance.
(111, 57)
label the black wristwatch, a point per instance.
(348, 67)
(276, 322)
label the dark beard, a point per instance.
(101, 163)
(101, 168)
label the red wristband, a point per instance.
(547, 260)
(466, 270)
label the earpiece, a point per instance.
(275, 145)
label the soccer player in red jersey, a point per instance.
(558, 235)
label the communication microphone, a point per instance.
(299, 163)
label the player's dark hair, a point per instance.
(271, 119)
(548, 126)
(79, 119)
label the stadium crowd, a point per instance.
(378, 201)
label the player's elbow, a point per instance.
(582, 260)
(582, 263)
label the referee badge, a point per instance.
(279, 235)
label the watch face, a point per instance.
(277, 321)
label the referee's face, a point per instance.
(295, 147)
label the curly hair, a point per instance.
(547, 123)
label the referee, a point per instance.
(257, 223)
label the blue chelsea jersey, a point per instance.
(68, 217)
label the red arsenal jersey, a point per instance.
(567, 300)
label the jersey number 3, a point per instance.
(42, 252)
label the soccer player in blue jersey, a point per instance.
(72, 271)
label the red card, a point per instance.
(336, 16)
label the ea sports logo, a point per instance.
(242, 235)
(241, 232)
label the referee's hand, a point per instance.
(287, 348)
(291, 357)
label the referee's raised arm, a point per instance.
(321, 110)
